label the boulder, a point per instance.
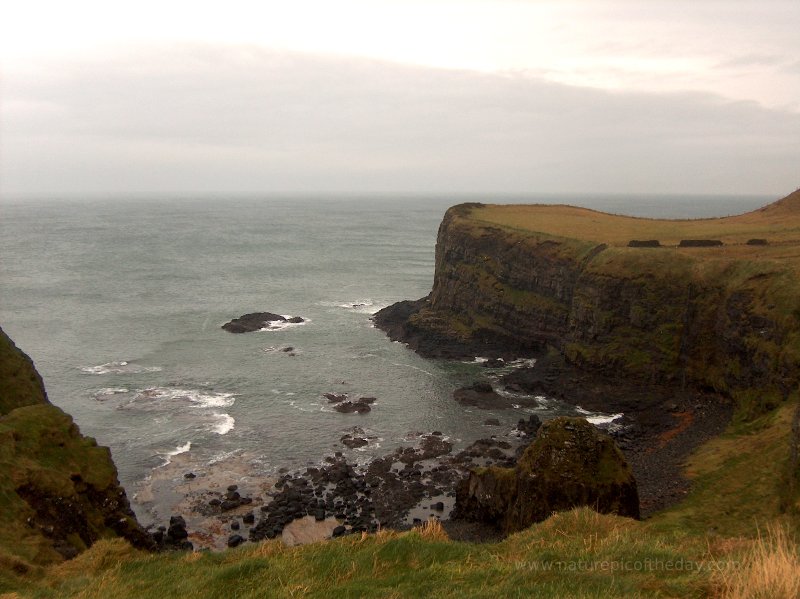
(569, 464)
(530, 426)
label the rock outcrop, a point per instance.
(569, 464)
(59, 489)
(249, 323)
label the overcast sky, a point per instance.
(625, 96)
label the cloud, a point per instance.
(752, 60)
(199, 117)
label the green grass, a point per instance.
(574, 554)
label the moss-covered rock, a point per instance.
(569, 464)
(59, 491)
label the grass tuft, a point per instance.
(769, 570)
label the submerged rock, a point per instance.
(569, 464)
(348, 407)
(480, 395)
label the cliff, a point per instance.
(59, 491)
(512, 280)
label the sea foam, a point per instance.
(120, 367)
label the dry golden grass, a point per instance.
(779, 223)
(769, 570)
(433, 530)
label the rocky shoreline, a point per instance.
(398, 490)
(659, 427)
(401, 489)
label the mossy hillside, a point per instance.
(51, 481)
(58, 490)
(20, 384)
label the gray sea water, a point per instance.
(119, 301)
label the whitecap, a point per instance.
(202, 399)
(119, 367)
(603, 418)
(354, 305)
(522, 363)
(360, 306)
(224, 423)
(225, 455)
(177, 451)
(109, 392)
(280, 325)
(181, 449)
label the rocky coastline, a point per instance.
(660, 427)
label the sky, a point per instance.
(436, 96)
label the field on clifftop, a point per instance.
(778, 223)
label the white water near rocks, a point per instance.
(120, 302)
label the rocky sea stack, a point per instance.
(569, 464)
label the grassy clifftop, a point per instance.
(779, 223)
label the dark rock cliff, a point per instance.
(648, 316)
(59, 491)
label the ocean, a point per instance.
(119, 301)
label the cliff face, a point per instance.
(724, 320)
(59, 491)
